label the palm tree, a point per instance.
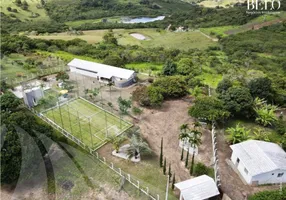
(137, 147)
(195, 141)
(184, 133)
(116, 141)
(197, 125)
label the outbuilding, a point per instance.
(103, 73)
(259, 162)
(199, 188)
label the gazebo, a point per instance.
(199, 188)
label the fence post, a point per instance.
(96, 154)
(119, 171)
(103, 159)
(128, 177)
(111, 165)
(147, 190)
(158, 197)
(138, 184)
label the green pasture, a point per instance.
(87, 122)
(155, 38)
(25, 15)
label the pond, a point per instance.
(142, 19)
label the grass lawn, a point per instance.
(145, 67)
(88, 123)
(10, 69)
(220, 30)
(24, 14)
(171, 40)
(147, 171)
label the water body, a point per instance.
(142, 20)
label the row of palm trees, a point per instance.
(192, 137)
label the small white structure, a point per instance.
(259, 162)
(104, 73)
(199, 188)
(122, 153)
(32, 96)
(188, 147)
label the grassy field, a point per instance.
(10, 68)
(220, 30)
(80, 22)
(214, 3)
(169, 40)
(24, 14)
(88, 123)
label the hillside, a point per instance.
(31, 11)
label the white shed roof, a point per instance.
(199, 188)
(105, 71)
(259, 156)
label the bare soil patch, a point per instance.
(164, 123)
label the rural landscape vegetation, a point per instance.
(208, 75)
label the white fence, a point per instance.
(215, 156)
(128, 177)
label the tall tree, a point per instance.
(238, 101)
(169, 68)
(9, 102)
(187, 159)
(262, 88)
(169, 172)
(124, 105)
(195, 141)
(209, 108)
(223, 86)
(161, 153)
(173, 181)
(164, 166)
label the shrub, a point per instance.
(9, 9)
(172, 87)
(155, 96)
(201, 169)
(280, 127)
(269, 195)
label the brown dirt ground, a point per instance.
(164, 123)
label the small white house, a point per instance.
(259, 162)
(199, 188)
(103, 73)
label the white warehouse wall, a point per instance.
(240, 168)
(267, 178)
(85, 73)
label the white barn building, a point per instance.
(103, 73)
(199, 188)
(259, 162)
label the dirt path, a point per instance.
(165, 123)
